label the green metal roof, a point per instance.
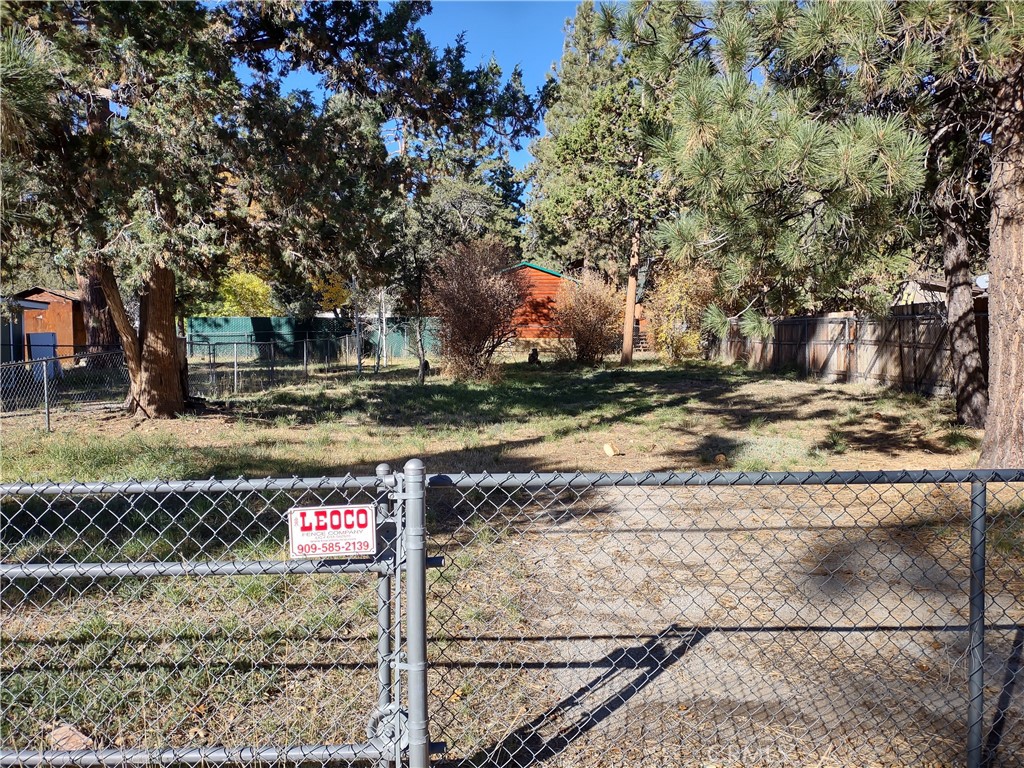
(535, 266)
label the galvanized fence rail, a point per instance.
(646, 619)
(161, 623)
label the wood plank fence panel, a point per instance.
(909, 351)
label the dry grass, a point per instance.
(714, 626)
(571, 629)
(552, 419)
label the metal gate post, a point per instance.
(46, 392)
(384, 659)
(416, 611)
(235, 368)
(976, 652)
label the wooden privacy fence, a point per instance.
(908, 351)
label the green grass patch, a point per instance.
(959, 439)
(86, 457)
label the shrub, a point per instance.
(674, 310)
(588, 318)
(474, 302)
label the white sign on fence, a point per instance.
(332, 532)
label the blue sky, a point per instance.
(529, 34)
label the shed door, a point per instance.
(40, 347)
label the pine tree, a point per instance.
(164, 167)
(793, 210)
(594, 197)
(27, 104)
(954, 72)
(458, 184)
(797, 128)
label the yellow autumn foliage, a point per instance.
(675, 307)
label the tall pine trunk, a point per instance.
(151, 353)
(629, 317)
(969, 383)
(1003, 445)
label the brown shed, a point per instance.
(64, 316)
(535, 318)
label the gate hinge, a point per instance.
(389, 725)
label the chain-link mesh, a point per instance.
(578, 620)
(166, 615)
(78, 378)
(741, 620)
(73, 381)
(216, 369)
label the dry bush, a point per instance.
(674, 310)
(475, 303)
(588, 318)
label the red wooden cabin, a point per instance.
(535, 318)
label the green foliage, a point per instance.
(26, 106)
(590, 186)
(162, 158)
(788, 206)
(26, 88)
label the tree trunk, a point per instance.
(151, 354)
(123, 323)
(967, 365)
(421, 347)
(100, 332)
(384, 329)
(1003, 445)
(381, 332)
(630, 314)
(358, 327)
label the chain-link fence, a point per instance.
(219, 368)
(81, 380)
(163, 623)
(216, 369)
(34, 389)
(777, 619)
(728, 619)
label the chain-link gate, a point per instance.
(768, 619)
(642, 620)
(163, 623)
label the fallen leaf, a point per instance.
(67, 737)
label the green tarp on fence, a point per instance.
(288, 333)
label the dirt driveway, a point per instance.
(791, 626)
